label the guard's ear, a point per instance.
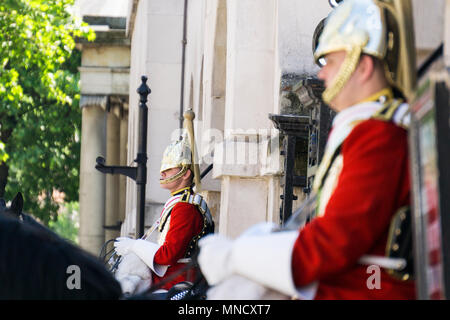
(188, 175)
(17, 204)
(366, 67)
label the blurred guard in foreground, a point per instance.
(357, 246)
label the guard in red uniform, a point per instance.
(185, 218)
(356, 246)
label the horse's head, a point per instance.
(15, 210)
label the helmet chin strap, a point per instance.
(345, 72)
(175, 176)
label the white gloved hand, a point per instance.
(257, 254)
(123, 245)
(214, 257)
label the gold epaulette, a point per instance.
(208, 223)
(185, 197)
(388, 111)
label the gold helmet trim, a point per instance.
(380, 28)
(182, 154)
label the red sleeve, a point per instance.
(372, 186)
(185, 223)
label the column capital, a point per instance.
(94, 101)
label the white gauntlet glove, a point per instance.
(145, 250)
(215, 252)
(258, 254)
(214, 258)
(123, 245)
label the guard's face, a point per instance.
(169, 173)
(333, 62)
(174, 185)
(328, 73)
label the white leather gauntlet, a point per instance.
(145, 250)
(263, 257)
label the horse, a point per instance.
(15, 211)
(36, 263)
(135, 278)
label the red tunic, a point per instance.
(373, 184)
(185, 223)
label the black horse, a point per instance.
(15, 211)
(36, 263)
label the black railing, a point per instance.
(138, 173)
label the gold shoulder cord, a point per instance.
(164, 218)
(387, 112)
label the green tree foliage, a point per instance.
(39, 95)
(67, 222)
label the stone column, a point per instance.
(112, 181)
(92, 182)
(250, 72)
(213, 84)
(447, 34)
(243, 204)
(123, 161)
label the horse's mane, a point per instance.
(34, 264)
